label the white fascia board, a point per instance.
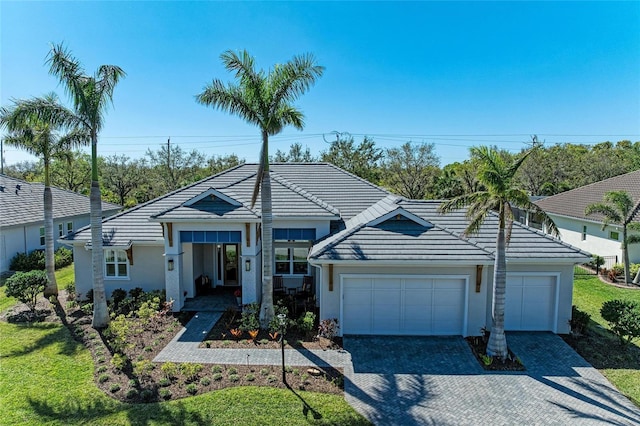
(207, 220)
(554, 261)
(304, 218)
(420, 263)
(215, 193)
(583, 219)
(401, 211)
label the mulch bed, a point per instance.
(140, 380)
(220, 337)
(478, 345)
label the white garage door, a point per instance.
(530, 303)
(403, 305)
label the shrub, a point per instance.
(250, 319)
(103, 378)
(192, 389)
(117, 297)
(205, 381)
(132, 393)
(232, 370)
(579, 320)
(217, 377)
(146, 394)
(328, 328)
(71, 290)
(63, 257)
(596, 262)
(250, 377)
(164, 382)
(623, 317)
(216, 369)
(234, 378)
(101, 369)
(118, 332)
(616, 270)
(306, 323)
(25, 286)
(279, 308)
(114, 388)
(164, 393)
(28, 262)
(169, 369)
(190, 371)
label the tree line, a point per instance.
(412, 170)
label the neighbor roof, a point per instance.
(22, 203)
(573, 203)
(440, 239)
(301, 190)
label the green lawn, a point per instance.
(621, 366)
(46, 377)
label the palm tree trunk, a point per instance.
(625, 255)
(497, 345)
(100, 312)
(49, 259)
(266, 312)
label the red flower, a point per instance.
(238, 293)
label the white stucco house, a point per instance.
(22, 216)
(586, 232)
(381, 264)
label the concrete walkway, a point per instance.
(184, 348)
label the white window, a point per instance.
(614, 235)
(42, 235)
(584, 232)
(69, 227)
(60, 229)
(291, 260)
(116, 264)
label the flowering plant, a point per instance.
(238, 293)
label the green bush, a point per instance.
(63, 257)
(307, 324)
(114, 387)
(164, 393)
(25, 286)
(618, 269)
(623, 317)
(250, 319)
(579, 320)
(191, 389)
(190, 371)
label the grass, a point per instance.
(46, 377)
(621, 366)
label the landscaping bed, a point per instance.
(478, 345)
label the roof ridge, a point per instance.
(303, 192)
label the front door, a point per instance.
(230, 262)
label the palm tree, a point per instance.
(618, 207)
(496, 174)
(266, 100)
(34, 126)
(90, 95)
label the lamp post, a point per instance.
(282, 318)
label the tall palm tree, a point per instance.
(618, 207)
(264, 99)
(34, 125)
(496, 174)
(90, 95)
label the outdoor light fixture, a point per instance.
(282, 319)
(170, 265)
(247, 265)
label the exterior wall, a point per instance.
(565, 292)
(330, 300)
(146, 272)
(13, 242)
(597, 240)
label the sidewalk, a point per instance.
(184, 348)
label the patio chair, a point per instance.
(278, 285)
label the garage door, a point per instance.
(530, 303)
(403, 305)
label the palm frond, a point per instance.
(230, 98)
(293, 79)
(67, 68)
(609, 213)
(288, 115)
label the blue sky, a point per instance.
(456, 74)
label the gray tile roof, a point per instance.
(573, 203)
(26, 205)
(401, 240)
(298, 190)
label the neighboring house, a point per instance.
(381, 264)
(585, 232)
(22, 216)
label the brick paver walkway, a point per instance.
(436, 380)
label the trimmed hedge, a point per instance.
(33, 261)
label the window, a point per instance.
(614, 235)
(291, 260)
(60, 229)
(584, 232)
(42, 235)
(69, 227)
(116, 264)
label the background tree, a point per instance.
(497, 175)
(25, 170)
(72, 171)
(457, 179)
(411, 170)
(90, 95)
(222, 163)
(172, 168)
(264, 99)
(296, 155)
(34, 125)
(618, 207)
(362, 160)
(121, 176)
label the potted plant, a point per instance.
(238, 295)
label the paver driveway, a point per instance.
(436, 380)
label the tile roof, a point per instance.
(298, 190)
(573, 203)
(26, 205)
(401, 240)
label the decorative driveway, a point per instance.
(437, 381)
